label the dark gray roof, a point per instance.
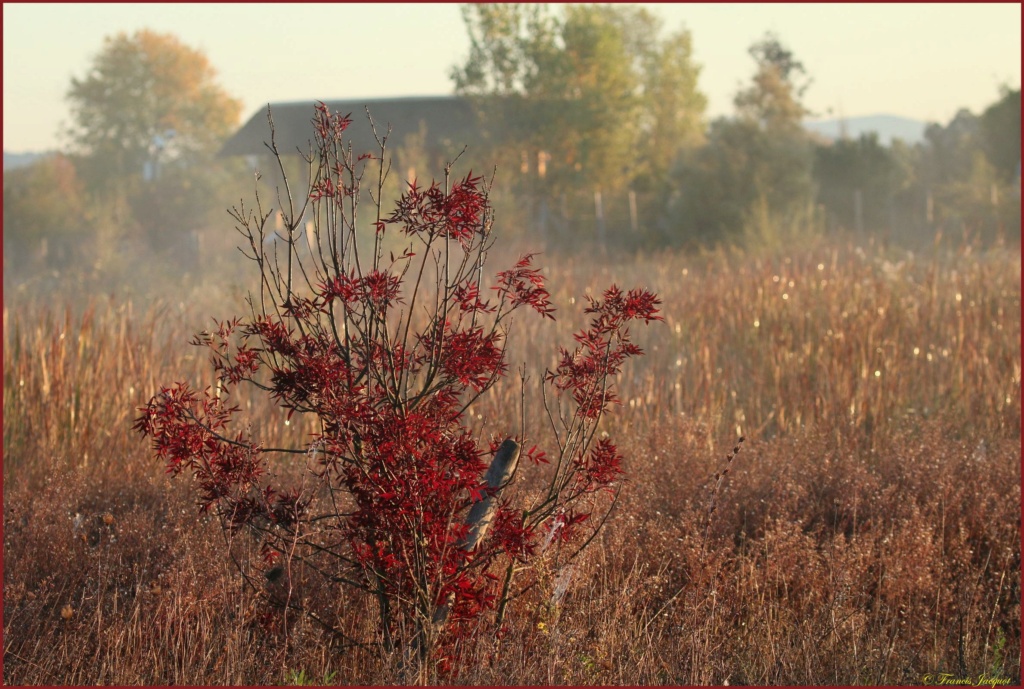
(449, 120)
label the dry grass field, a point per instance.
(868, 531)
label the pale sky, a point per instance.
(923, 61)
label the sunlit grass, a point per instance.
(867, 533)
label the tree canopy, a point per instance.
(147, 94)
(1000, 129)
(44, 202)
(755, 173)
(148, 117)
(597, 88)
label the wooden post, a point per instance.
(542, 220)
(479, 519)
(565, 215)
(632, 212)
(480, 515)
(858, 211)
(599, 212)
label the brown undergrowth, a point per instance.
(868, 532)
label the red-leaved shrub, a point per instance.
(387, 353)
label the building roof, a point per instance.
(449, 120)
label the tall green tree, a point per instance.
(596, 88)
(509, 42)
(864, 169)
(753, 180)
(773, 100)
(674, 115)
(601, 94)
(1000, 130)
(948, 151)
(966, 170)
(1000, 126)
(783, 155)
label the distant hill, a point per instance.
(889, 127)
(16, 160)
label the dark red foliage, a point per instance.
(600, 467)
(458, 214)
(524, 285)
(602, 348)
(329, 127)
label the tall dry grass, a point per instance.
(868, 531)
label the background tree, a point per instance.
(1000, 129)
(148, 119)
(675, 111)
(508, 43)
(595, 84)
(960, 179)
(773, 99)
(753, 180)
(144, 95)
(1000, 126)
(595, 92)
(966, 170)
(45, 213)
(864, 169)
(949, 150)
